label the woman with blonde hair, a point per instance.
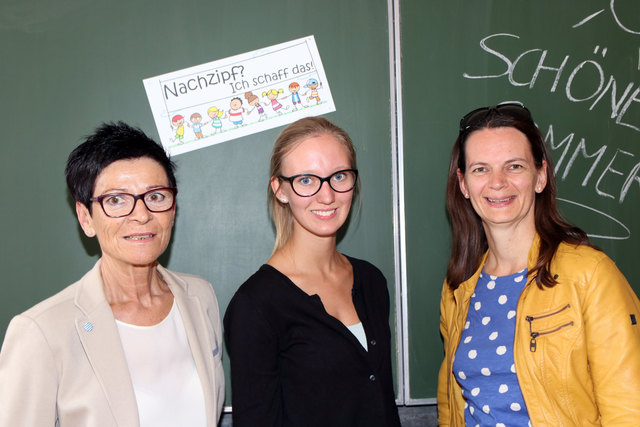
(308, 334)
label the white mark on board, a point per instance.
(626, 234)
(612, 7)
(597, 83)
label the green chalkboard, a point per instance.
(575, 64)
(71, 64)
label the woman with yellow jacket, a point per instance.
(540, 328)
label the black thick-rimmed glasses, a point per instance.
(306, 185)
(117, 205)
(514, 109)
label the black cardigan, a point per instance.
(292, 364)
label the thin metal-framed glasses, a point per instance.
(306, 185)
(515, 109)
(117, 205)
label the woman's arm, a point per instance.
(611, 318)
(213, 311)
(444, 418)
(28, 376)
(253, 350)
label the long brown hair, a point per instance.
(288, 139)
(469, 242)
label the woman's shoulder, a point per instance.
(263, 282)
(189, 284)
(583, 255)
(363, 267)
(368, 277)
(52, 320)
(84, 294)
(584, 261)
(55, 307)
(263, 292)
(192, 280)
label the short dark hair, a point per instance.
(109, 143)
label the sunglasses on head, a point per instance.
(513, 109)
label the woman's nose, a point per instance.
(140, 211)
(326, 193)
(497, 180)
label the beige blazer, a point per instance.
(62, 361)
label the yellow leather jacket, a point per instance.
(576, 345)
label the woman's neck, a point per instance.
(306, 253)
(130, 283)
(508, 249)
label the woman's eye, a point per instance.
(305, 180)
(515, 166)
(479, 169)
(340, 176)
(114, 200)
(155, 197)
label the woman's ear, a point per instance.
(85, 219)
(542, 177)
(462, 184)
(276, 187)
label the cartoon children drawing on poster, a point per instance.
(313, 85)
(276, 81)
(177, 121)
(294, 88)
(196, 125)
(215, 115)
(254, 102)
(236, 111)
(272, 95)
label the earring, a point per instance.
(89, 233)
(466, 195)
(283, 200)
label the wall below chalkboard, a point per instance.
(410, 416)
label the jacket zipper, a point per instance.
(533, 344)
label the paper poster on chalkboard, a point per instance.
(237, 96)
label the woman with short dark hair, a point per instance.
(131, 343)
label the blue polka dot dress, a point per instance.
(483, 363)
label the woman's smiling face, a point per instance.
(326, 211)
(141, 237)
(501, 178)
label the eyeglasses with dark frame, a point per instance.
(306, 185)
(515, 109)
(118, 205)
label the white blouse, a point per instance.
(166, 384)
(358, 331)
